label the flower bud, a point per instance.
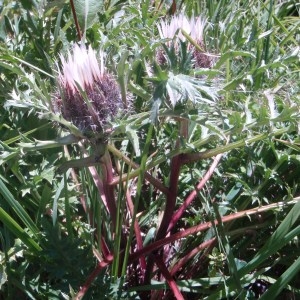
(194, 28)
(89, 96)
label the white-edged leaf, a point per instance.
(132, 135)
(183, 87)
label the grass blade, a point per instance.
(18, 209)
(282, 281)
(17, 230)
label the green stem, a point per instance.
(155, 182)
(192, 157)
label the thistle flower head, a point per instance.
(90, 96)
(194, 27)
(80, 68)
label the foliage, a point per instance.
(194, 192)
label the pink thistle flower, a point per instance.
(80, 68)
(90, 97)
(194, 27)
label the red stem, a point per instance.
(168, 211)
(139, 240)
(104, 248)
(155, 182)
(204, 257)
(75, 19)
(171, 198)
(193, 230)
(96, 178)
(108, 189)
(173, 187)
(191, 254)
(177, 215)
(201, 227)
(171, 282)
(92, 277)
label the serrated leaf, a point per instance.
(138, 90)
(183, 87)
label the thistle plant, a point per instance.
(195, 194)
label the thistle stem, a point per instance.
(173, 187)
(75, 19)
(204, 226)
(107, 172)
(177, 215)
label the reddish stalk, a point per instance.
(170, 280)
(139, 240)
(96, 178)
(208, 246)
(204, 257)
(173, 187)
(92, 277)
(191, 254)
(168, 210)
(108, 189)
(177, 215)
(198, 228)
(75, 19)
(104, 248)
(193, 230)
(171, 197)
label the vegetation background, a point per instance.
(197, 192)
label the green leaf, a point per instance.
(230, 55)
(56, 198)
(138, 90)
(87, 11)
(279, 238)
(182, 87)
(132, 135)
(282, 281)
(19, 210)
(17, 230)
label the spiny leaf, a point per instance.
(183, 87)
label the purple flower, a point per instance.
(173, 30)
(193, 27)
(89, 97)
